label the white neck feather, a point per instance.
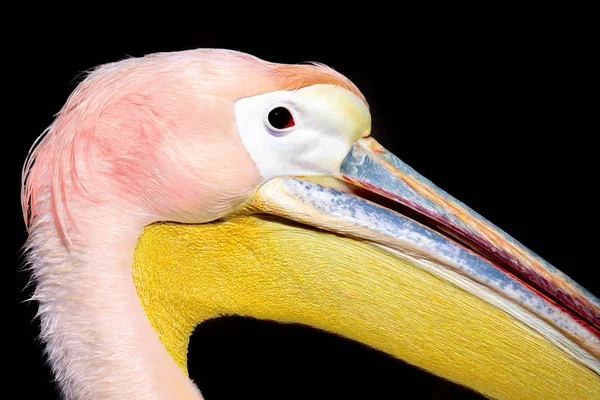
(99, 341)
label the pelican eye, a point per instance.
(280, 118)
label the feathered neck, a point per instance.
(98, 339)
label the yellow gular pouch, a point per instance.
(265, 268)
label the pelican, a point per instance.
(178, 187)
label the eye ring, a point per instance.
(280, 120)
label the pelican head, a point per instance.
(179, 187)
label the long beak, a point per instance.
(444, 237)
(408, 270)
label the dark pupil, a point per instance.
(280, 118)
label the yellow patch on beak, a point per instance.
(264, 268)
(343, 109)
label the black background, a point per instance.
(493, 108)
